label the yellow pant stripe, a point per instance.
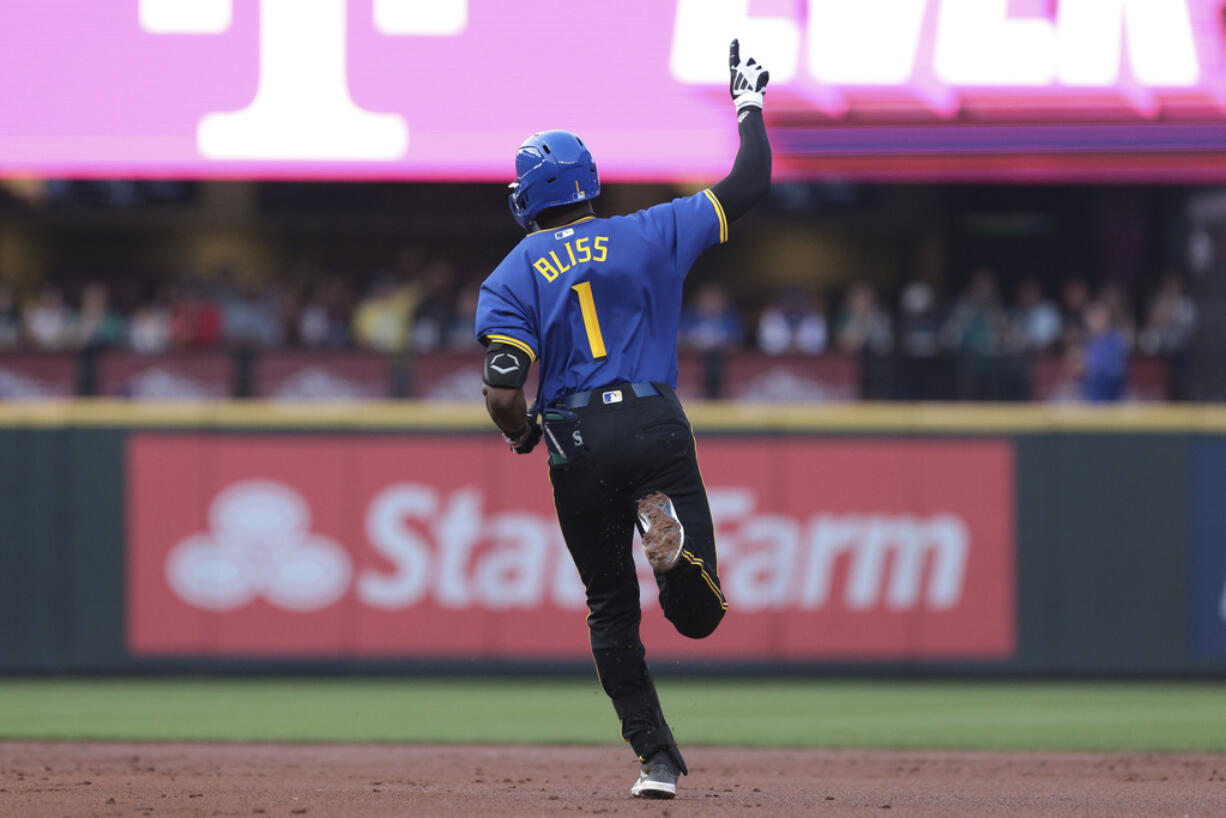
(693, 560)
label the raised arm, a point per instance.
(750, 178)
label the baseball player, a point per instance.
(595, 302)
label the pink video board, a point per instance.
(445, 89)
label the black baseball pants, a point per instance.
(638, 446)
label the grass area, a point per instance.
(963, 715)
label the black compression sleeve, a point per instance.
(750, 179)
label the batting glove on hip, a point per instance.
(748, 81)
(525, 440)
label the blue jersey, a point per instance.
(596, 302)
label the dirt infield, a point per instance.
(75, 779)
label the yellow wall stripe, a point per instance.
(515, 342)
(849, 418)
(719, 212)
(955, 418)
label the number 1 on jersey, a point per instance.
(590, 322)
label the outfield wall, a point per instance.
(246, 535)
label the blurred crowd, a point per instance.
(424, 311)
(428, 308)
(992, 337)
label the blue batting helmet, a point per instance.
(552, 168)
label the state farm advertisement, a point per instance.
(431, 546)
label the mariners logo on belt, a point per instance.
(612, 396)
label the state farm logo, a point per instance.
(259, 544)
(446, 549)
(858, 562)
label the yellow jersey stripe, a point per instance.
(719, 212)
(515, 342)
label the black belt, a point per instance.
(607, 395)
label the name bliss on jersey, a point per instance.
(581, 251)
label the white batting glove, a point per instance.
(748, 81)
